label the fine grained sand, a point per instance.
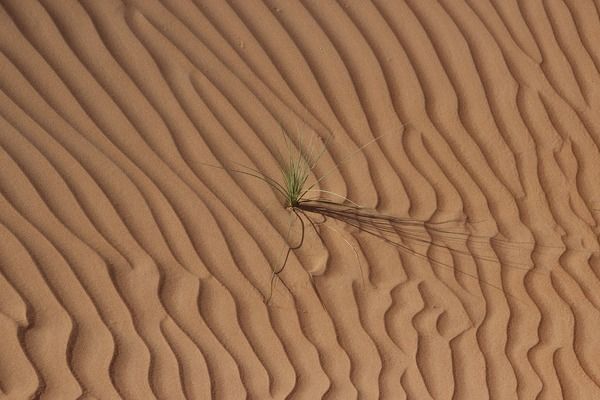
(129, 269)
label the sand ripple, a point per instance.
(129, 269)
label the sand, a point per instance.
(132, 269)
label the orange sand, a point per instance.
(129, 269)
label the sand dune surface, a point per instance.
(136, 258)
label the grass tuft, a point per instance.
(296, 169)
(295, 174)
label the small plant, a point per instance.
(294, 189)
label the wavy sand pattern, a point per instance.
(129, 269)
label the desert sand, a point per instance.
(132, 268)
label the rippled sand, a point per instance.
(131, 269)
